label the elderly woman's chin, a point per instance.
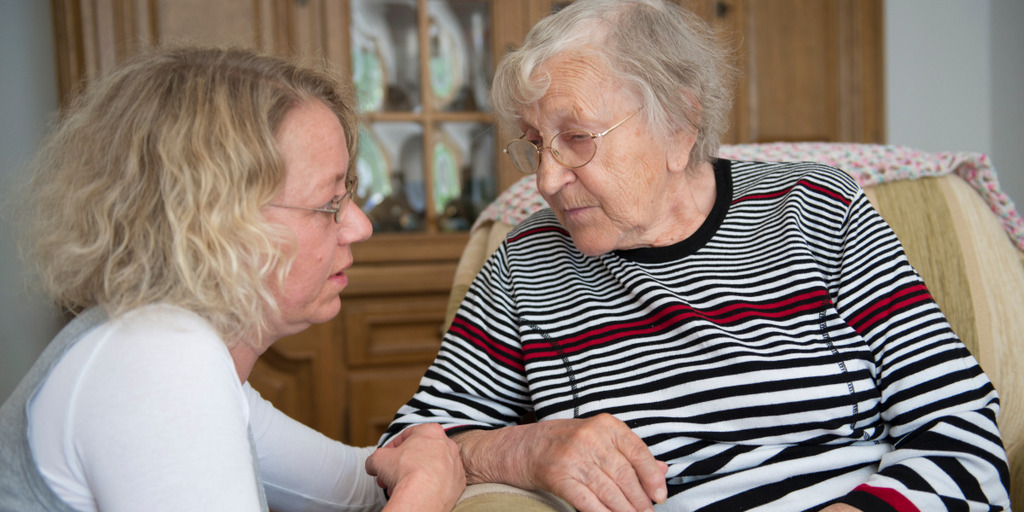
(590, 236)
(592, 242)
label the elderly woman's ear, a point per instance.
(680, 144)
(677, 149)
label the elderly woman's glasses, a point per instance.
(571, 148)
(336, 207)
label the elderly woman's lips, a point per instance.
(575, 209)
(571, 207)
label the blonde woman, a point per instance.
(194, 207)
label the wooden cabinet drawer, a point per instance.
(393, 330)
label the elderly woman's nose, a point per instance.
(552, 175)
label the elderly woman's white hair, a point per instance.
(667, 56)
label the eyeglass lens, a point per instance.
(573, 148)
(342, 205)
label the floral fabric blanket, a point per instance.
(869, 164)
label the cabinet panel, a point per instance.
(303, 376)
(374, 397)
(792, 66)
(394, 330)
(92, 37)
(235, 22)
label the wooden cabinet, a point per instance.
(92, 36)
(811, 71)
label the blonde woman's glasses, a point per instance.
(571, 148)
(336, 207)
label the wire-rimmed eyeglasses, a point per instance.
(571, 148)
(336, 207)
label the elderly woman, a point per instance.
(195, 206)
(692, 331)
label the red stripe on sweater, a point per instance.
(538, 230)
(673, 315)
(886, 307)
(479, 338)
(890, 496)
(803, 183)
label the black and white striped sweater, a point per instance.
(783, 357)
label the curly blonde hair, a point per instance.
(151, 188)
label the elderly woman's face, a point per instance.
(617, 200)
(312, 142)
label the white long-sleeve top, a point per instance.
(146, 412)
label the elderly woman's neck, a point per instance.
(695, 191)
(702, 188)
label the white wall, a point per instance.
(938, 71)
(1008, 96)
(28, 100)
(955, 81)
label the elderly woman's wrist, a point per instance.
(495, 456)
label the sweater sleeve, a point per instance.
(939, 406)
(477, 380)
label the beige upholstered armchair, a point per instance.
(961, 234)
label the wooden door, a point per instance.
(811, 70)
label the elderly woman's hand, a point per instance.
(840, 507)
(420, 468)
(596, 464)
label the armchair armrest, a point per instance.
(501, 498)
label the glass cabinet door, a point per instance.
(422, 70)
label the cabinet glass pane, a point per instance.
(464, 175)
(390, 166)
(459, 54)
(385, 55)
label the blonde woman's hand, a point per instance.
(421, 470)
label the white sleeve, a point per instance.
(304, 470)
(159, 420)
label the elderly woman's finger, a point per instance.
(600, 460)
(645, 469)
(642, 478)
(593, 490)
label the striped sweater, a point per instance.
(783, 357)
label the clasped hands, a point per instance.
(420, 469)
(596, 464)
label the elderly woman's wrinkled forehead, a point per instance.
(580, 78)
